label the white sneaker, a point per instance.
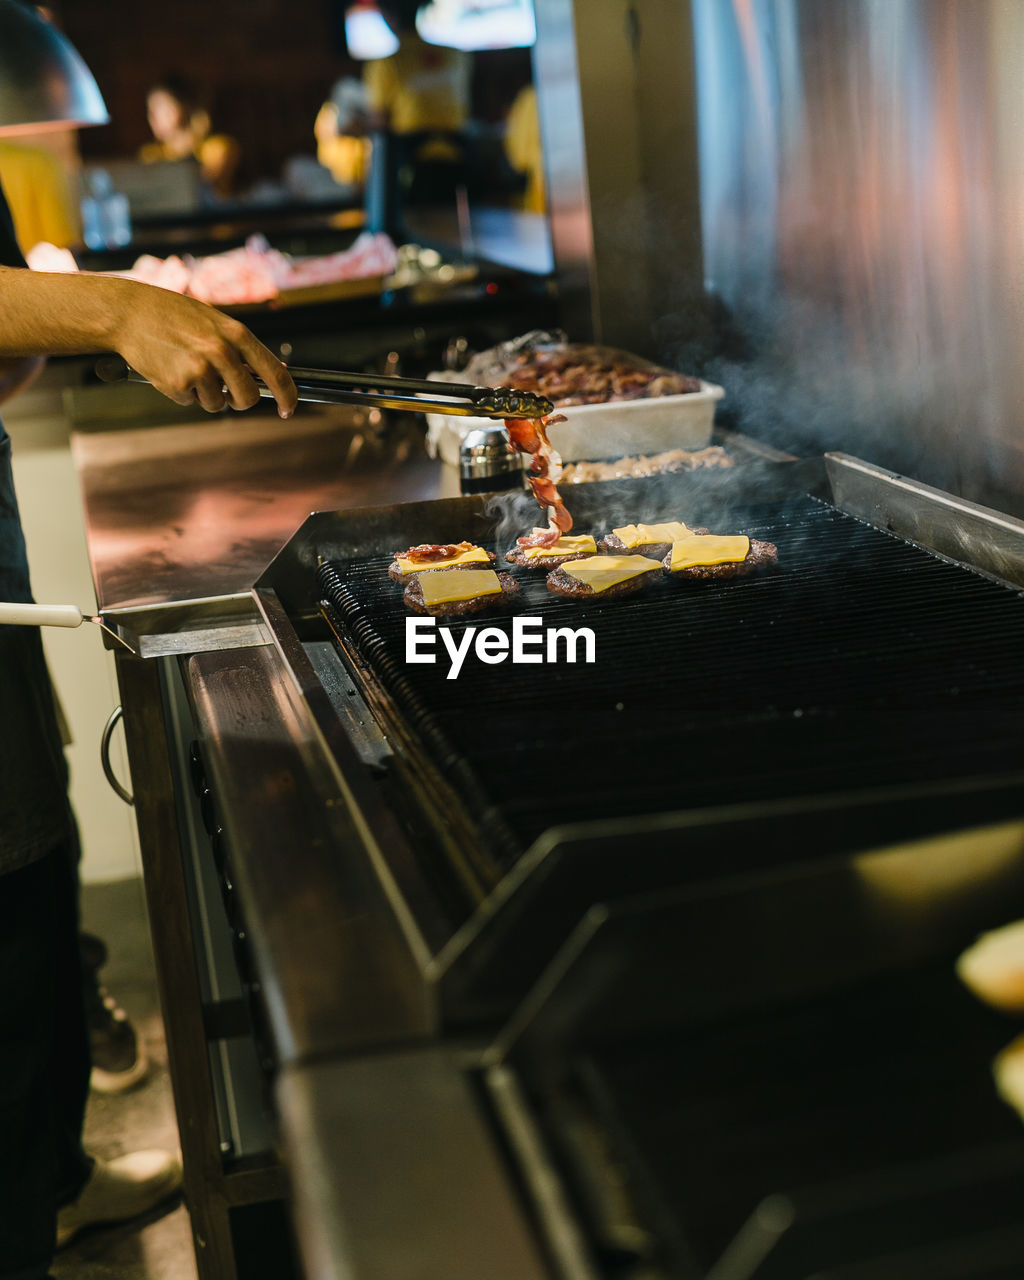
(120, 1189)
(119, 1061)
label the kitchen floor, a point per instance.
(158, 1246)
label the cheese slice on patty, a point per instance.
(475, 555)
(638, 535)
(603, 572)
(446, 586)
(565, 546)
(710, 548)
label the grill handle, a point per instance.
(108, 769)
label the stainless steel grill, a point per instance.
(862, 663)
(614, 882)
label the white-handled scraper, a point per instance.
(52, 615)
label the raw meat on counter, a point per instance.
(253, 273)
(166, 273)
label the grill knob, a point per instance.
(488, 463)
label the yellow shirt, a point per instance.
(421, 87)
(347, 156)
(523, 148)
(39, 194)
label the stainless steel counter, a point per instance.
(195, 509)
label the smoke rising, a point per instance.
(860, 197)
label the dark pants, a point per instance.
(44, 1060)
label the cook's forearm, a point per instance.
(49, 314)
(188, 350)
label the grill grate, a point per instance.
(863, 661)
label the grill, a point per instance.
(864, 662)
(648, 918)
(868, 689)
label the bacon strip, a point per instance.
(434, 552)
(530, 436)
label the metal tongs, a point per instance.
(327, 386)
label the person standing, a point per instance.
(181, 130)
(50, 1188)
(39, 193)
(420, 96)
(342, 145)
(523, 148)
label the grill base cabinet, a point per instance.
(234, 1185)
(516, 1009)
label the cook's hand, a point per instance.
(192, 352)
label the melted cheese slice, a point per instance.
(563, 547)
(603, 572)
(636, 535)
(709, 549)
(475, 555)
(446, 586)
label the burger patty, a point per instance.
(413, 597)
(762, 555)
(610, 545)
(395, 573)
(515, 556)
(561, 583)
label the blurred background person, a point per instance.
(420, 95)
(181, 129)
(41, 175)
(41, 194)
(342, 144)
(523, 148)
